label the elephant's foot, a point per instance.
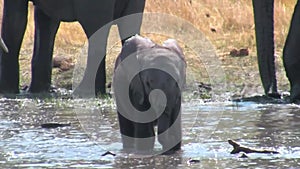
(8, 89)
(100, 91)
(128, 150)
(84, 90)
(169, 152)
(143, 150)
(172, 150)
(145, 145)
(130, 147)
(295, 94)
(275, 95)
(39, 89)
(128, 144)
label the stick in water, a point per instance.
(237, 148)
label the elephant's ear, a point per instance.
(137, 43)
(172, 45)
(132, 46)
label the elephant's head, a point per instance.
(3, 46)
(163, 67)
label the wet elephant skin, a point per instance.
(139, 136)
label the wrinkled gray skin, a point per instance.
(91, 14)
(264, 26)
(147, 53)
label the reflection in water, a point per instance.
(279, 126)
(149, 162)
(94, 130)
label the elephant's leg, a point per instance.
(169, 129)
(127, 132)
(164, 138)
(100, 81)
(94, 80)
(264, 29)
(144, 137)
(291, 54)
(13, 27)
(129, 19)
(45, 31)
(176, 130)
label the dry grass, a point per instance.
(232, 21)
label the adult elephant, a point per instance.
(91, 14)
(264, 26)
(148, 81)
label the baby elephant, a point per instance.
(148, 82)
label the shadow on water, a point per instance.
(94, 130)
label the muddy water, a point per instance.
(94, 130)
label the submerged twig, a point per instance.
(108, 153)
(54, 125)
(192, 161)
(244, 155)
(237, 148)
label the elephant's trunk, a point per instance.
(264, 28)
(3, 46)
